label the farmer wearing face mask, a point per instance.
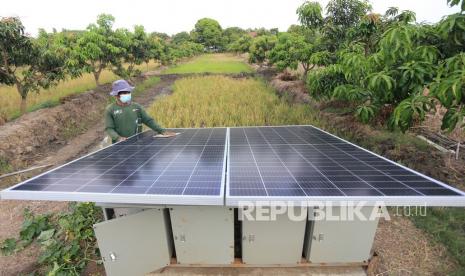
(125, 118)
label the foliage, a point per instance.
(449, 90)
(398, 71)
(137, 48)
(260, 48)
(185, 49)
(322, 82)
(241, 45)
(26, 63)
(346, 13)
(231, 35)
(98, 48)
(310, 14)
(181, 38)
(67, 241)
(208, 32)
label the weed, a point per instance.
(67, 240)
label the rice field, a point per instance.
(10, 99)
(212, 101)
(211, 63)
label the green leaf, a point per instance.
(45, 236)
(8, 246)
(451, 118)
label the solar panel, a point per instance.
(186, 169)
(301, 163)
(291, 163)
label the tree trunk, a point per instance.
(23, 105)
(96, 77)
(23, 94)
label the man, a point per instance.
(125, 118)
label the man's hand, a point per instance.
(120, 139)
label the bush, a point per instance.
(322, 82)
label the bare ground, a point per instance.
(11, 211)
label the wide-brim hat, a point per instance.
(120, 86)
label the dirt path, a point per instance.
(11, 211)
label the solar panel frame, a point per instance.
(123, 198)
(387, 200)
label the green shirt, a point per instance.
(122, 121)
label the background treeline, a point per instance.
(385, 66)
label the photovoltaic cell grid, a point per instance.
(190, 164)
(302, 161)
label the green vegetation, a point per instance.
(146, 84)
(447, 226)
(211, 63)
(67, 240)
(41, 63)
(10, 99)
(221, 101)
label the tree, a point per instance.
(208, 32)
(342, 15)
(26, 63)
(136, 50)
(293, 49)
(232, 34)
(347, 13)
(241, 45)
(181, 38)
(310, 15)
(397, 72)
(162, 36)
(260, 48)
(97, 48)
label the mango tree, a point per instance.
(26, 63)
(399, 70)
(260, 48)
(136, 49)
(97, 48)
(293, 49)
(208, 32)
(241, 45)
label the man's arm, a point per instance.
(150, 122)
(110, 126)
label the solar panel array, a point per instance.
(210, 165)
(302, 161)
(191, 164)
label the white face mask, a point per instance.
(125, 98)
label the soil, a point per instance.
(58, 151)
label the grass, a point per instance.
(447, 226)
(211, 63)
(146, 84)
(10, 99)
(213, 101)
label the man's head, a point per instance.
(122, 90)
